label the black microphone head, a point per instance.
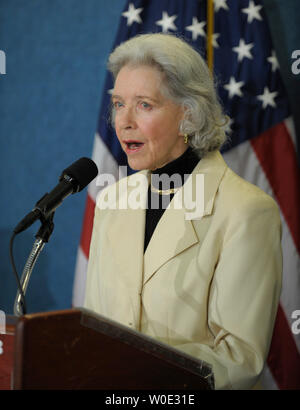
(83, 171)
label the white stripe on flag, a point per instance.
(105, 163)
(267, 381)
(291, 129)
(80, 279)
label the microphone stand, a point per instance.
(42, 237)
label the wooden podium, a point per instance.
(78, 349)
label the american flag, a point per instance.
(261, 147)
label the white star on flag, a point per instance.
(167, 22)
(267, 98)
(273, 60)
(220, 4)
(234, 87)
(132, 15)
(243, 50)
(252, 12)
(196, 28)
(215, 36)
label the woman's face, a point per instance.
(146, 122)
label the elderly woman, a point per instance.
(208, 282)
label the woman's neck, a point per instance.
(176, 169)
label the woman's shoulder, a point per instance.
(232, 189)
(243, 193)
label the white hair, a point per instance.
(187, 82)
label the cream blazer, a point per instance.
(209, 285)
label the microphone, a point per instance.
(73, 179)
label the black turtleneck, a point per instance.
(157, 203)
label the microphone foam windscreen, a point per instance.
(84, 170)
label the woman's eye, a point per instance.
(145, 105)
(117, 104)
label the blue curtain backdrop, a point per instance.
(56, 52)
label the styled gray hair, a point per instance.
(187, 82)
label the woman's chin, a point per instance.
(137, 165)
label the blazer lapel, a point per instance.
(175, 231)
(172, 235)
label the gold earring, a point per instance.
(185, 138)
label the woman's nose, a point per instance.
(127, 118)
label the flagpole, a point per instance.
(210, 31)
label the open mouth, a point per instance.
(133, 146)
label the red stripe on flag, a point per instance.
(277, 156)
(284, 358)
(87, 226)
